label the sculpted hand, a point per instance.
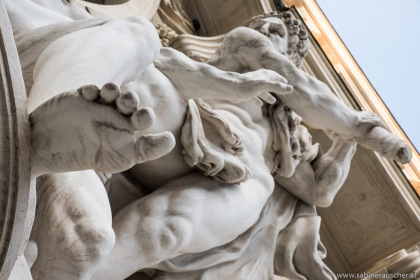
(257, 85)
(94, 129)
(335, 137)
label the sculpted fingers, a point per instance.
(273, 81)
(280, 78)
(267, 97)
(256, 101)
(266, 74)
(279, 88)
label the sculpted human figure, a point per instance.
(73, 226)
(287, 232)
(101, 127)
(278, 43)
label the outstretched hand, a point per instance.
(335, 137)
(259, 85)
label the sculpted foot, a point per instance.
(379, 139)
(94, 129)
(386, 144)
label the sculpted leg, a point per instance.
(72, 226)
(185, 216)
(116, 51)
(94, 129)
(188, 76)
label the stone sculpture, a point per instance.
(237, 189)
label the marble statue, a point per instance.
(215, 177)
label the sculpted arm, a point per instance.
(199, 80)
(244, 48)
(313, 100)
(318, 182)
(317, 104)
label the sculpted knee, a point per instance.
(171, 236)
(139, 33)
(139, 29)
(96, 240)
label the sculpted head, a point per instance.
(285, 33)
(292, 143)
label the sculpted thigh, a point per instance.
(188, 215)
(197, 212)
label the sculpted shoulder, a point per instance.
(244, 46)
(247, 37)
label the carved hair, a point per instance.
(308, 150)
(298, 45)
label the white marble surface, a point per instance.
(228, 175)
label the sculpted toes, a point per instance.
(153, 146)
(109, 93)
(89, 92)
(404, 154)
(127, 102)
(143, 118)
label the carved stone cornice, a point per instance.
(166, 34)
(402, 262)
(197, 47)
(173, 13)
(359, 86)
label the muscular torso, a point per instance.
(253, 128)
(157, 92)
(247, 121)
